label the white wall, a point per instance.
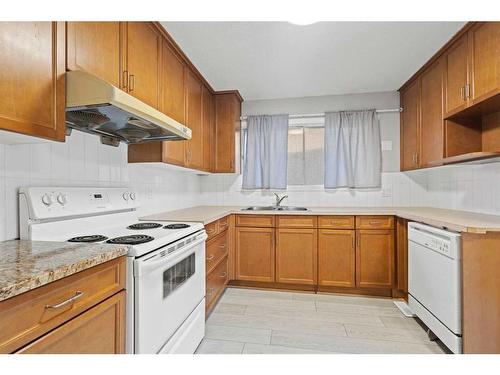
(83, 161)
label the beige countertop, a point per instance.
(26, 265)
(460, 221)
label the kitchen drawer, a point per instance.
(212, 229)
(223, 224)
(374, 222)
(291, 221)
(28, 316)
(215, 283)
(216, 249)
(100, 330)
(258, 221)
(336, 222)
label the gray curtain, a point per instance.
(352, 150)
(266, 152)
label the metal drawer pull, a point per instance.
(77, 295)
(210, 291)
(223, 275)
(210, 231)
(210, 257)
(131, 82)
(222, 246)
(375, 223)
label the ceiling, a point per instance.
(267, 60)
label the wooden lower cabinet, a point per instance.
(255, 254)
(296, 256)
(401, 258)
(374, 258)
(336, 258)
(216, 284)
(100, 330)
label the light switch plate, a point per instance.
(386, 145)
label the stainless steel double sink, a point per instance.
(275, 208)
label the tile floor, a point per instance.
(248, 321)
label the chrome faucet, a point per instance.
(279, 199)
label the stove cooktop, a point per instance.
(142, 226)
(90, 238)
(133, 239)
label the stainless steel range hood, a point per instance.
(94, 106)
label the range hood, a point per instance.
(94, 106)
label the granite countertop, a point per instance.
(460, 221)
(26, 265)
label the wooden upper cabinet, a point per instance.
(431, 114)
(32, 86)
(227, 125)
(207, 123)
(375, 258)
(143, 62)
(456, 77)
(484, 42)
(410, 140)
(95, 47)
(173, 100)
(255, 254)
(194, 157)
(296, 256)
(336, 258)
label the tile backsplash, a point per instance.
(83, 161)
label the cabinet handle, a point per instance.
(210, 231)
(375, 222)
(131, 83)
(353, 242)
(467, 91)
(210, 291)
(210, 257)
(77, 295)
(125, 79)
(462, 93)
(222, 246)
(223, 275)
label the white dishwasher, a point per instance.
(435, 281)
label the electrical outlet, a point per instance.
(386, 145)
(387, 192)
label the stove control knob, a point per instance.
(46, 199)
(125, 196)
(62, 199)
(132, 196)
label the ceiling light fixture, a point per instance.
(302, 22)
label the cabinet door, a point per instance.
(32, 88)
(173, 102)
(100, 330)
(410, 143)
(143, 62)
(431, 114)
(255, 254)
(374, 258)
(455, 77)
(95, 47)
(208, 129)
(484, 41)
(227, 120)
(193, 121)
(296, 256)
(336, 258)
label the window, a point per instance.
(305, 151)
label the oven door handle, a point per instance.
(146, 266)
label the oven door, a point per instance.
(168, 286)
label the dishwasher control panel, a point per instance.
(436, 239)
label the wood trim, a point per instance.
(271, 285)
(378, 292)
(438, 53)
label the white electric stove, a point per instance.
(165, 263)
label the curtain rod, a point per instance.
(313, 115)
